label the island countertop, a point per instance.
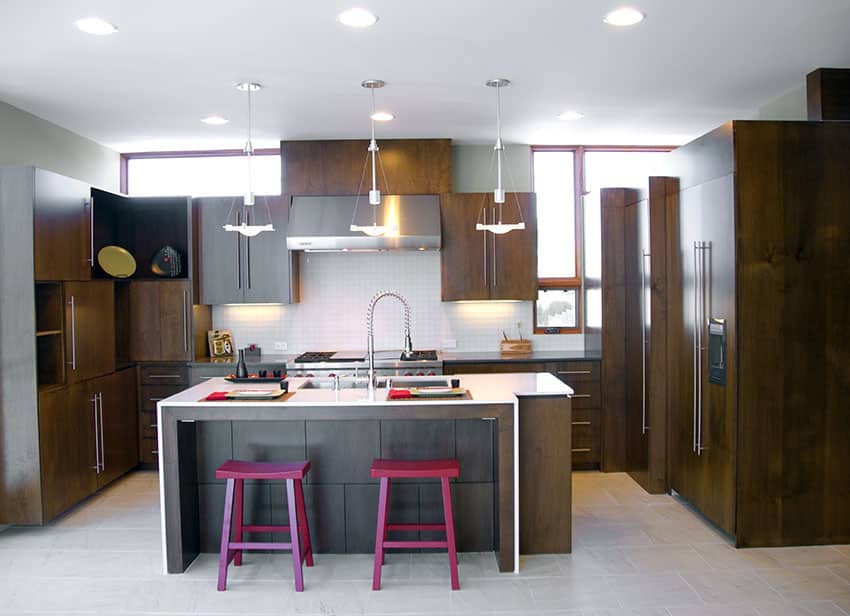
(483, 389)
(524, 417)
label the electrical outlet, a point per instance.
(279, 346)
(449, 344)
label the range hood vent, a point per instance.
(322, 223)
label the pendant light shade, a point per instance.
(245, 217)
(498, 226)
(373, 153)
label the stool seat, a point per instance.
(408, 469)
(241, 469)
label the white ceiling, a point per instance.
(689, 67)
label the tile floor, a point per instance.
(635, 554)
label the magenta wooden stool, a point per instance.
(407, 469)
(236, 472)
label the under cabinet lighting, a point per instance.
(96, 26)
(382, 116)
(357, 18)
(570, 115)
(215, 120)
(624, 16)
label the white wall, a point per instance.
(337, 288)
(473, 168)
(791, 106)
(28, 140)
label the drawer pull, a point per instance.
(155, 452)
(158, 399)
(165, 376)
(488, 419)
(580, 396)
(581, 423)
(157, 425)
(574, 372)
(588, 450)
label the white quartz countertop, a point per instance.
(483, 388)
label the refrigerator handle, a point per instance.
(643, 256)
(695, 340)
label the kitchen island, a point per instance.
(511, 435)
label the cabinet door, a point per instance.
(220, 267)
(160, 320)
(118, 436)
(89, 329)
(464, 259)
(63, 249)
(267, 264)
(66, 419)
(513, 264)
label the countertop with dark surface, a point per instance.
(263, 359)
(484, 357)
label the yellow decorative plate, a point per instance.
(116, 261)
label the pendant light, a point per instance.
(245, 218)
(498, 226)
(372, 152)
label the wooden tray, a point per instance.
(282, 398)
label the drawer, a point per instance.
(149, 453)
(151, 394)
(148, 426)
(587, 395)
(204, 373)
(586, 417)
(164, 374)
(577, 371)
(586, 445)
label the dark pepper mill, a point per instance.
(241, 368)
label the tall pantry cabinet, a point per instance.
(758, 336)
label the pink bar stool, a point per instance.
(406, 469)
(236, 472)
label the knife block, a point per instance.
(515, 347)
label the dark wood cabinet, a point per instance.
(61, 225)
(161, 325)
(235, 269)
(156, 382)
(118, 424)
(89, 330)
(66, 425)
(480, 265)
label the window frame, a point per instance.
(580, 191)
(124, 165)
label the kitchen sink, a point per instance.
(396, 383)
(408, 382)
(343, 384)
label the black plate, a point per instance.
(259, 379)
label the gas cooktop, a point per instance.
(318, 357)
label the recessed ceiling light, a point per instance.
(624, 16)
(96, 26)
(382, 116)
(570, 115)
(215, 120)
(357, 18)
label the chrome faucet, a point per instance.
(370, 330)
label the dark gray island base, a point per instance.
(340, 433)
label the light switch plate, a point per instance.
(280, 346)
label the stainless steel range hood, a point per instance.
(322, 223)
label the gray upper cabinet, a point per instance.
(235, 269)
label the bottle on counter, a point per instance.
(241, 368)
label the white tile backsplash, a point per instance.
(335, 293)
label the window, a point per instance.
(569, 237)
(201, 174)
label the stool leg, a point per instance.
(238, 511)
(293, 533)
(303, 526)
(450, 531)
(380, 532)
(387, 517)
(224, 554)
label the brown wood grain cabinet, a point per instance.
(118, 424)
(480, 265)
(762, 243)
(89, 329)
(161, 321)
(61, 225)
(411, 167)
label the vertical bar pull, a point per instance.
(102, 445)
(696, 284)
(73, 362)
(96, 466)
(495, 278)
(185, 321)
(91, 231)
(250, 221)
(238, 253)
(643, 338)
(485, 249)
(705, 298)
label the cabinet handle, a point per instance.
(700, 251)
(96, 466)
(155, 452)
(573, 371)
(248, 218)
(582, 450)
(695, 342)
(155, 426)
(495, 279)
(488, 419)
(580, 396)
(102, 445)
(643, 256)
(185, 322)
(73, 362)
(238, 253)
(154, 399)
(485, 249)
(581, 423)
(91, 231)
(164, 376)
